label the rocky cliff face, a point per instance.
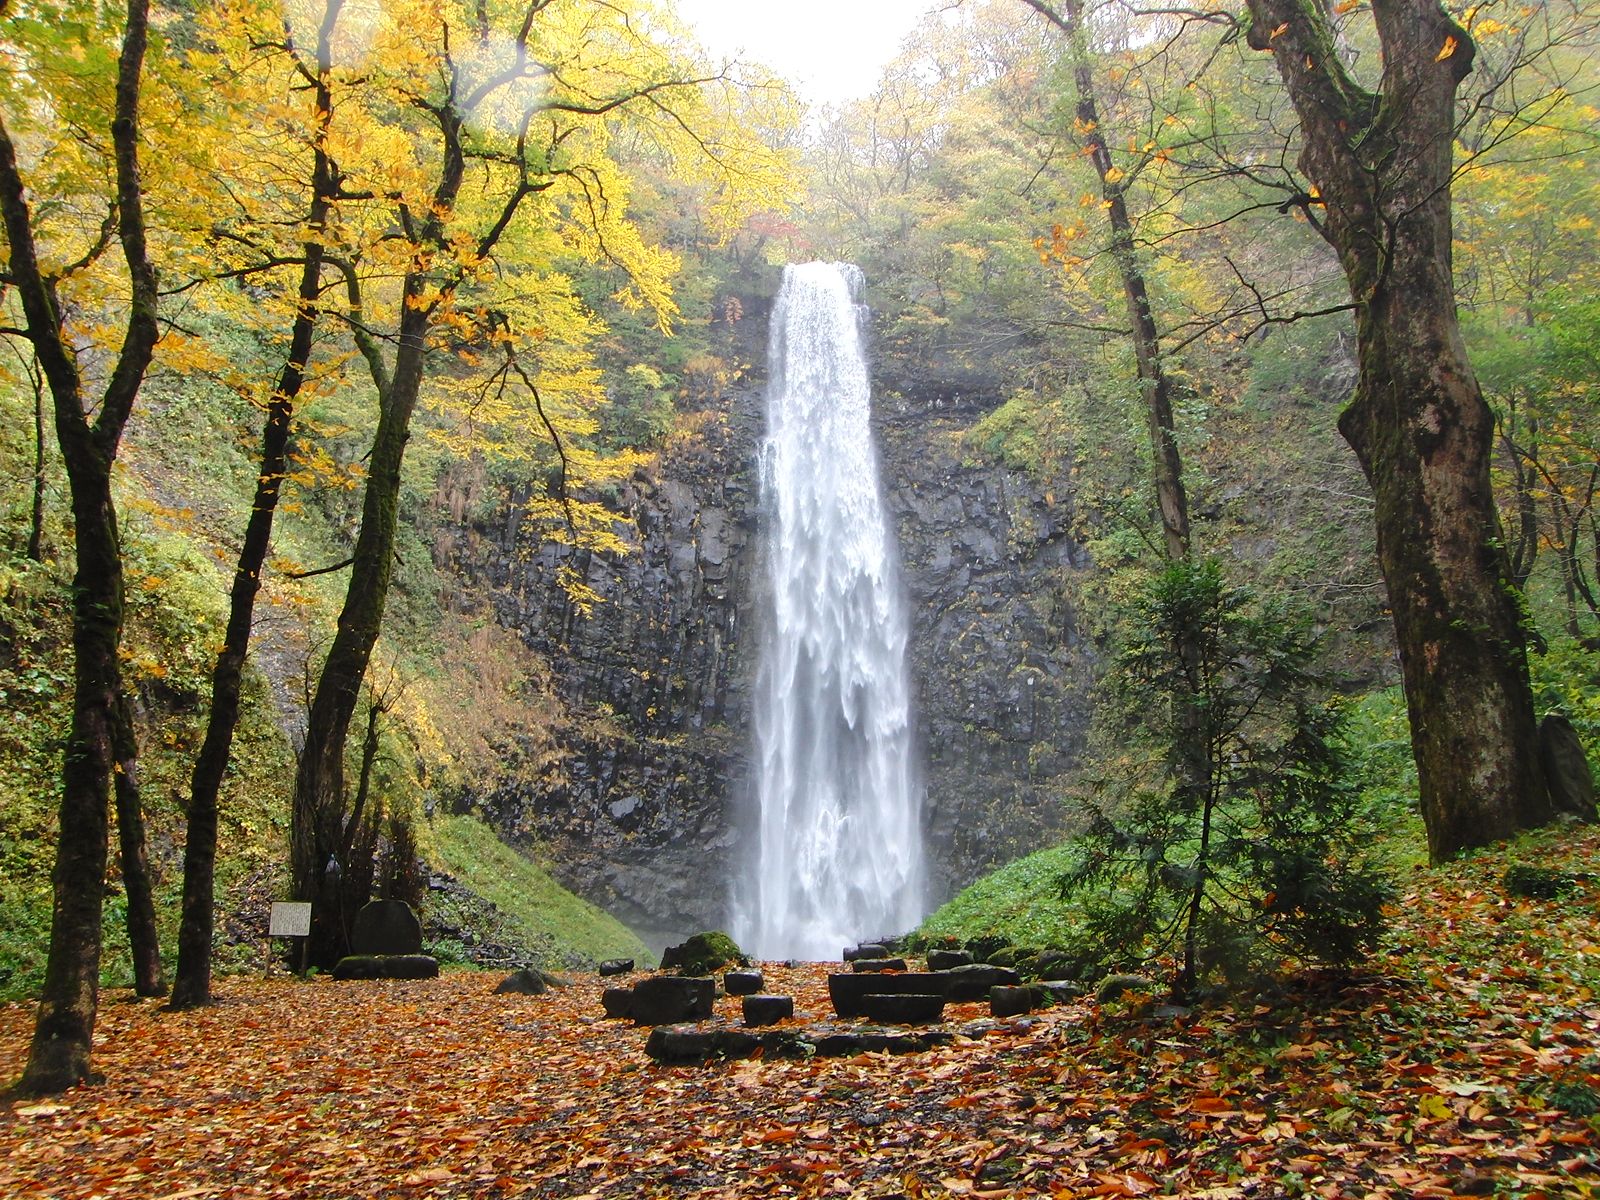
(645, 816)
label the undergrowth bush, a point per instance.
(1225, 829)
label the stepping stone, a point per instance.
(767, 1010)
(911, 1008)
(944, 960)
(846, 991)
(617, 1001)
(1010, 1001)
(682, 1045)
(878, 964)
(866, 950)
(669, 999)
(974, 982)
(615, 966)
(743, 983)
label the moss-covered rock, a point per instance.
(703, 953)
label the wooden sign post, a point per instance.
(289, 920)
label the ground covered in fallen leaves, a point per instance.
(1466, 1062)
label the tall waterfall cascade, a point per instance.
(839, 854)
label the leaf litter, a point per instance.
(1466, 1062)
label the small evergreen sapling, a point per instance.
(1224, 832)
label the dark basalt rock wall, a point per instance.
(646, 815)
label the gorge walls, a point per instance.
(647, 812)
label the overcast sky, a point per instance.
(833, 49)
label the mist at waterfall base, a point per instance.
(838, 853)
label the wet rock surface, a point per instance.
(646, 809)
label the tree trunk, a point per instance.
(36, 517)
(192, 985)
(59, 1055)
(319, 783)
(1418, 421)
(318, 820)
(1155, 386)
(144, 942)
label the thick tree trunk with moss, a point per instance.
(1418, 422)
(59, 1055)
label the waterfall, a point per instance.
(839, 851)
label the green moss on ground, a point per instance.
(560, 928)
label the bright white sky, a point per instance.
(832, 49)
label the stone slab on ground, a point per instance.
(386, 966)
(687, 1045)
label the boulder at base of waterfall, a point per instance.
(1566, 768)
(847, 990)
(526, 982)
(878, 964)
(944, 960)
(1010, 1001)
(386, 927)
(702, 954)
(866, 950)
(386, 966)
(669, 999)
(911, 1008)
(767, 1010)
(743, 983)
(617, 1002)
(615, 966)
(973, 983)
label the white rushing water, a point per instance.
(840, 836)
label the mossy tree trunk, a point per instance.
(1382, 164)
(59, 1055)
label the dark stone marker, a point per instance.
(386, 927)
(974, 982)
(944, 960)
(767, 1010)
(669, 999)
(1056, 964)
(615, 966)
(1566, 768)
(386, 966)
(525, 982)
(866, 950)
(878, 964)
(743, 983)
(911, 1008)
(846, 991)
(617, 1001)
(1010, 1001)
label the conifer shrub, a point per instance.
(1224, 830)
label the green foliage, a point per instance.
(562, 929)
(1020, 902)
(1226, 830)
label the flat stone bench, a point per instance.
(689, 1045)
